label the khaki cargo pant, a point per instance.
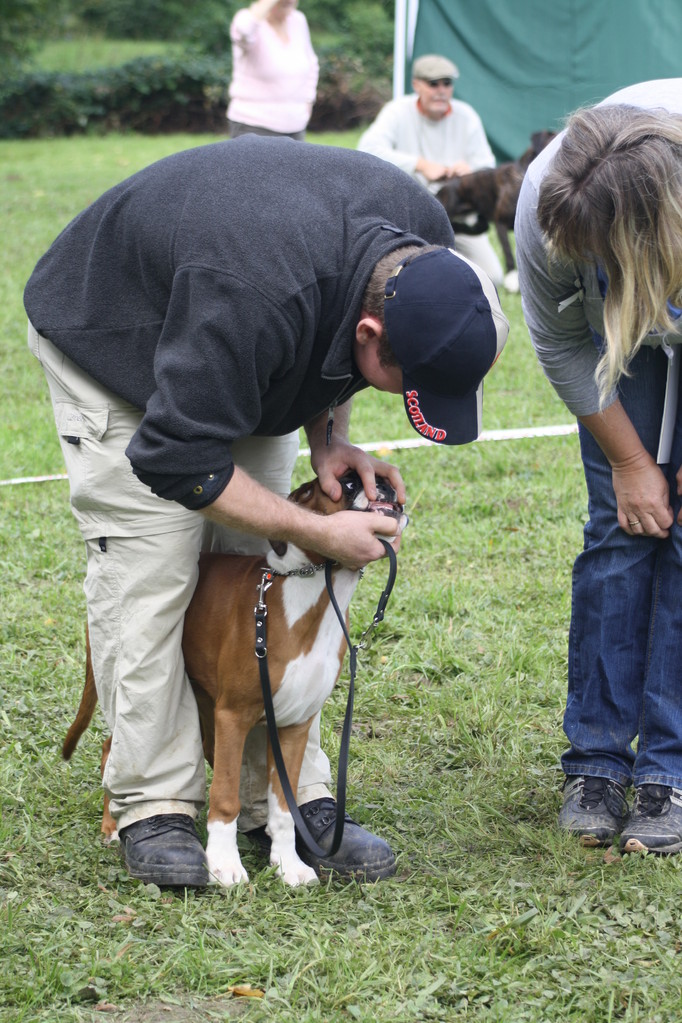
(142, 556)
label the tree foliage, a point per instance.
(353, 39)
(24, 24)
(358, 27)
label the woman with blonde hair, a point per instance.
(274, 70)
(599, 243)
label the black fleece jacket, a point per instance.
(218, 290)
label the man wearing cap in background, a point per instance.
(189, 322)
(434, 137)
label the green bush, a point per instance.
(153, 19)
(350, 91)
(363, 29)
(165, 94)
(186, 92)
(152, 94)
(24, 24)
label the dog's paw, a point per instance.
(283, 856)
(293, 870)
(222, 856)
(511, 281)
(109, 838)
(226, 873)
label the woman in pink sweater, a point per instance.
(274, 70)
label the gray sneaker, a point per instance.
(655, 824)
(595, 809)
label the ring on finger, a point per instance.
(636, 522)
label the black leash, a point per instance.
(261, 613)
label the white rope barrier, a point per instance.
(31, 479)
(521, 433)
(382, 445)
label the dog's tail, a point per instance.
(86, 708)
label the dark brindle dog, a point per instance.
(491, 196)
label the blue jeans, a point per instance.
(625, 642)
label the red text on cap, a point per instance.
(417, 416)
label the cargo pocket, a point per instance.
(81, 429)
(76, 422)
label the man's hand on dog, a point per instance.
(352, 537)
(434, 171)
(357, 536)
(333, 460)
(346, 536)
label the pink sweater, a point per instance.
(273, 84)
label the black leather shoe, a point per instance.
(362, 856)
(165, 850)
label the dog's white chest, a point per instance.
(310, 677)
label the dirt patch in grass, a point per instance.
(188, 1010)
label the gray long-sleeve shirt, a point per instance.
(562, 302)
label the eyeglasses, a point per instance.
(433, 83)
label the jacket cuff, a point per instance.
(192, 492)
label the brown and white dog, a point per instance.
(305, 653)
(490, 196)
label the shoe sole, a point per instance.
(592, 841)
(324, 868)
(190, 878)
(633, 845)
(603, 835)
(587, 838)
(377, 872)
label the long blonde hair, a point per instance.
(613, 197)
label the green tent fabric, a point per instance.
(525, 64)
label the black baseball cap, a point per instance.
(446, 328)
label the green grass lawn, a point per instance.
(91, 52)
(494, 915)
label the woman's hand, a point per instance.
(643, 497)
(641, 489)
(678, 478)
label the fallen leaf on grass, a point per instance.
(245, 991)
(126, 917)
(106, 1007)
(612, 855)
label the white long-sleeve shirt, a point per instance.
(401, 134)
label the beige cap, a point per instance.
(432, 66)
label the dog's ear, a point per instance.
(448, 196)
(540, 139)
(279, 547)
